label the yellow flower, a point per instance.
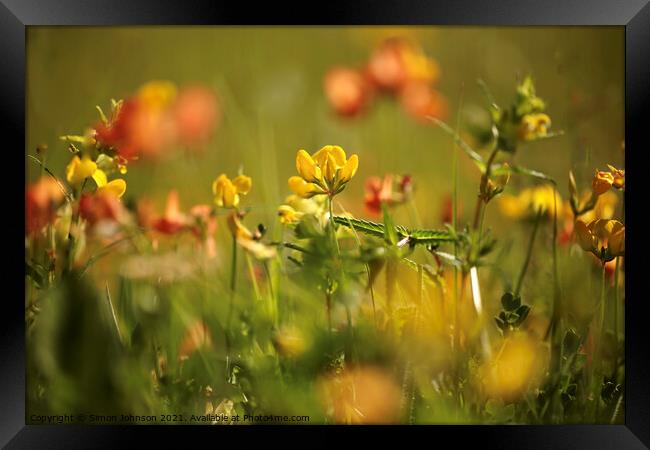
(157, 94)
(534, 126)
(619, 177)
(79, 169)
(602, 237)
(249, 240)
(116, 187)
(226, 192)
(288, 215)
(529, 201)
(325, 172)
(602, 182)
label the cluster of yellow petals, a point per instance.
(534, 126)
(603, 237)
(325, 172)
(226, 191)
(80, 169)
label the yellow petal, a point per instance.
(116, 188)
(350, 169)
(616, 244)
(300, 187)
(79, 169)
(217, 184)
(307, 167)
(100, 178)
(586, 240)
(330, 169)
(243, 184)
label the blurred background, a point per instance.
(269, 81)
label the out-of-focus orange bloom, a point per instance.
(41, 202)
(196, 336)
(391, 190)
(347, 90)
(205, 225)
(196, 113)
(422, 101)
(158, 117)
(361, 395)
(397, 61)
(173, 220)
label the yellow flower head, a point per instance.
(325, 172)
(226, 192)
(534, 126)
(116, 187)
(602, 182)
(619, 177)
(157, 94)
(249, 240)
(529, 201)
(602, 237)
(79, 169)
(288, 215)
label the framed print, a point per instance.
(378, 215)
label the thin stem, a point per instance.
(529, 253)
(616, 299)
(233, 281)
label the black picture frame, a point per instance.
(633, 15)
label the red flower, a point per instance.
(196, 113)
(391, 190)
(103, 206)
(173, 221)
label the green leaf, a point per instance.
(502, 169)
(390, 234)
(570, 343)
(37, 273)
(416, 237)
(522, 311)
(510, 302)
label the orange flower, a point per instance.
(391, 190)
(173, 221)
(421, 101)
(101, 206)
(41, 202)
(347, 91)
(361, 395)
(602, 182)
(196, 113)
(196, 337)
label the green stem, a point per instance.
(616, 299)
(529, 253)
(233, 282)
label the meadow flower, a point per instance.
(115, 187)
(526, 204)
(226, 191)
(42, 199)
(534, 126)
(397, 61)
(325, 172)
(173, 220)
(102, 206)
(195, 113)
(249, 240)
(390, 190)
(347, 91)
(602, 182)
(517, 366)
(602, 237)
(79, 169)
(422, 102)
(288, 215)
(289, 341)
(361, 395)
(205, 225)
(619, 177)
(157, 94)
